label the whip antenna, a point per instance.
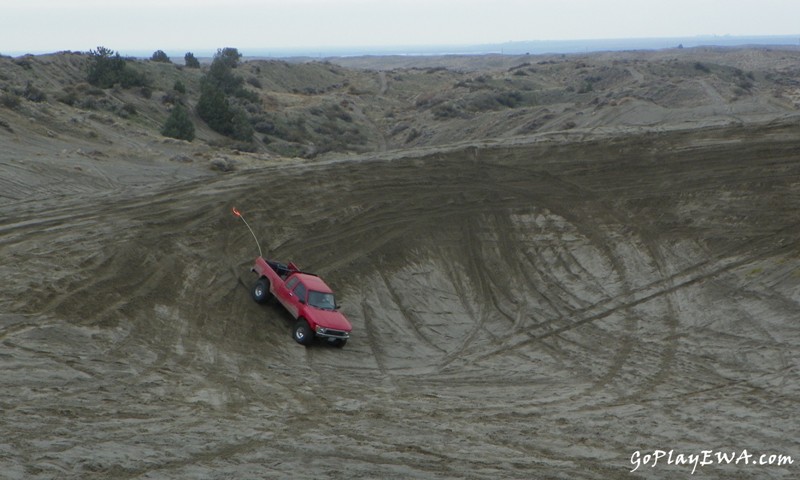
(237, 213)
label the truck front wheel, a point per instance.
(302, 333)
(260, 292)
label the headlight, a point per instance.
(321, 329)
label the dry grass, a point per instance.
(310, 108)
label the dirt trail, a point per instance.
(541, 310)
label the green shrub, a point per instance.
(10, 100)
(127, 110)
(191, 61)
(172, 98)
(87, 89)
(699, 66)
(509, 99)
(248, 96)
(107, 68)
(221, 76)
(228, 56)
(24, 62)
(34, 94)
(241, 127)
(178, 125)
(160, 56)
(264, 127)
(223, 102)
(212, 107)
(87, 103)
(445, 111)
(413, 135)
(68, 97)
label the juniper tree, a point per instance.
(178, 124)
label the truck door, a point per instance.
(283, 291)
(297, 298)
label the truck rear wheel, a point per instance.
(260, 291)
(302, 333)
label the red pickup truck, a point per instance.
(307, 298)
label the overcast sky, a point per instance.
(178, 26)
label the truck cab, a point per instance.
(307, 298)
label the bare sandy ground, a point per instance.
(541, 308)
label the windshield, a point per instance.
(321, 300)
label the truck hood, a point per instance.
(330, 319)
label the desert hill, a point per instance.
(553, 264)
(362, 105)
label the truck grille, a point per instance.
(336, 333)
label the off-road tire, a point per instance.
(302, 333)
(260, 291)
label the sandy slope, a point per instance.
(536, 310)
(529, 301)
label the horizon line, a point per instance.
(511, 47)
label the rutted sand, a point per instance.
(520, 310)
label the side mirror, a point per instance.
(337, 307)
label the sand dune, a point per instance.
(539, 309)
